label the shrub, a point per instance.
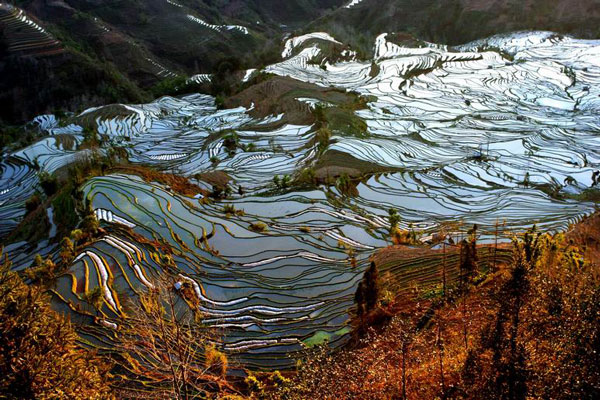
(65, 214)
(230, 209)
(216, 362)
(322, 137)
(67, 251)
(258, 227)
(220, 102)
(231, 142)
(254, 385)
(307, 175)
(33, 203)
(48, 183)
(394, 219)
(404, 237)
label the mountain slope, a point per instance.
(134, 44)
(41, 73)
(130, 47)
(459, 21)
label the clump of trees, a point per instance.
(45, 270)
(544, 341)
(48, 183)
(33, 203)
(283, 182)
(160, 351)
(346, 185)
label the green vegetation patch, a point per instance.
(322, 337)
(65, 210)
(345, 122)
(35, 226)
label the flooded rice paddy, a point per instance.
(503, 129)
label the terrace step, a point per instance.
(25, 36)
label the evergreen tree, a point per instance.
(368, 291)
(371, 287)
(359, 299)
(469, 261)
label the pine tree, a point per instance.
(366, 296)
(359, 299)
(469, 261)
(371, 287)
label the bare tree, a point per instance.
(440, 353)
(167, 350)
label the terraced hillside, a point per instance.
(23, 35)
(410, 270)
(267, 206)
(149, 46)
(44, 71)
(150, 43)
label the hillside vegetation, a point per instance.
(264, 213)
(528, 329)
(85, 53)
(456, 22)
(119, 52)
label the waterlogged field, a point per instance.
(503, 129)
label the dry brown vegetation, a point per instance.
(168, 351)
(39, 355)
(177, 183)
(528, 330)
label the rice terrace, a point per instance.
(262, 210)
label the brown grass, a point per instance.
(177, 183)
(427, 340)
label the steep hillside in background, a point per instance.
(76, 53)
(458, 21)
(40, 72)
(293, 13)
(90, 52)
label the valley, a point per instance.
(258, 164)
(467, 134)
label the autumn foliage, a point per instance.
(39, 356)
(530, 329)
